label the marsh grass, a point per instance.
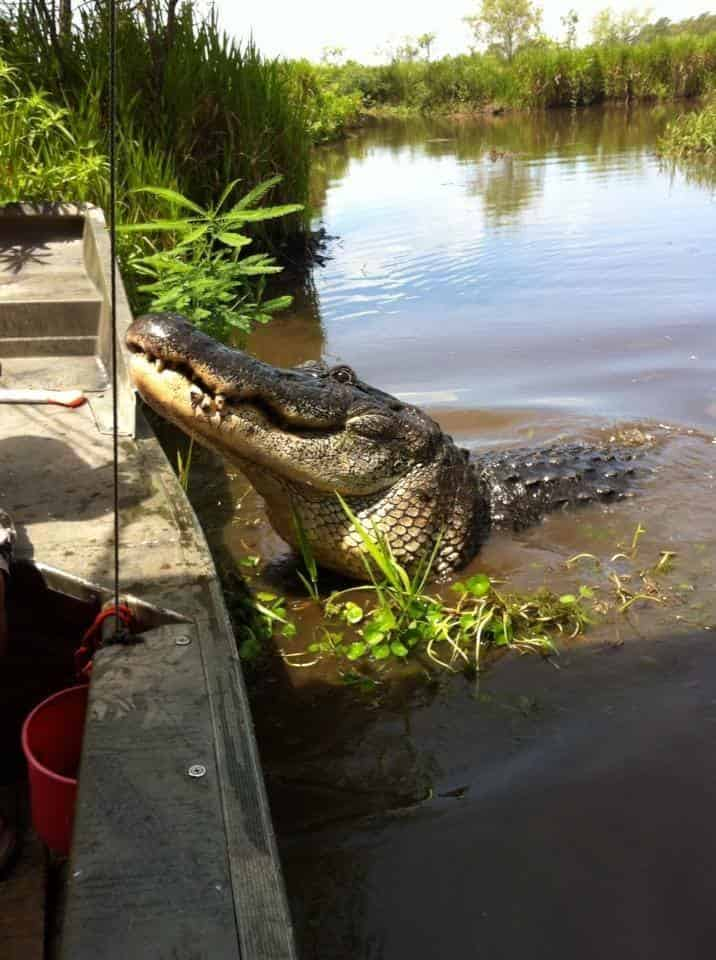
(692, 137)
(541, 75)
(196, 110)
(40, 154)
(184, 465)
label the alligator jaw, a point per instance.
(287, 421)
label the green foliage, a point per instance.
(404, 617)
(505, 25)
(541, 74)
(203, 276)
(193, 105)
(692, 136)
(184, 465)
(310, 578)
(610, 27)
(395, 616)
(330, 107)
(41, 158)
(704, 24)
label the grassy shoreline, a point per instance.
(542, 76)
(692, 137)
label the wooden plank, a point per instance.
(263, 917)
(149, 874)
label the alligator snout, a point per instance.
(296, 399)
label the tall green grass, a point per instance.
(41, 156)
(692, 136)
(196, 110)
(541, 75)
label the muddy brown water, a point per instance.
(560, 285)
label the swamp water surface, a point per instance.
(524, 278)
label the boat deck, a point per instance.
(163, 864)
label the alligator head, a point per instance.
(302, 436)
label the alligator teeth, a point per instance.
(220, 401)
(195, 397)
(160, 364)
(216, 419)
(207, 405)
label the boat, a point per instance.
(173, 851)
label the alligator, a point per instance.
(305, 434)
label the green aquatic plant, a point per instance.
(396, 616)
(692, 136)
(310, 578)
(203, 275)
(184, 465)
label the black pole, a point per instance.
(113, 283)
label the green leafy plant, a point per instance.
(692, 136)
(396, 616)
(310, 578)
(204, 276)
(184, 465)
(40, 157)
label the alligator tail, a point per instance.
(521, 486)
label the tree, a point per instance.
(505, 24)
(611, 27)
(425, 41)
(408, 51)
(333, 55)
(569, 21)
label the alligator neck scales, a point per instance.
(303, 435)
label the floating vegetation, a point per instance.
(396, 616)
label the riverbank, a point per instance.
(544, 75)
(692, 137)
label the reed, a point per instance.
(541, 75)
(692, 136)
(196, 110)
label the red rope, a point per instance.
(92, 640)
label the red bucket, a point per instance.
(52, 742)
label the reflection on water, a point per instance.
(545, 259)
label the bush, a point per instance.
(692, 136)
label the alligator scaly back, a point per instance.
(521, 486)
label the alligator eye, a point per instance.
(342, 374)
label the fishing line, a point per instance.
(113, 286)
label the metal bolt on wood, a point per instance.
(196, 770)
(183, 641)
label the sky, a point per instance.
(303, 28)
